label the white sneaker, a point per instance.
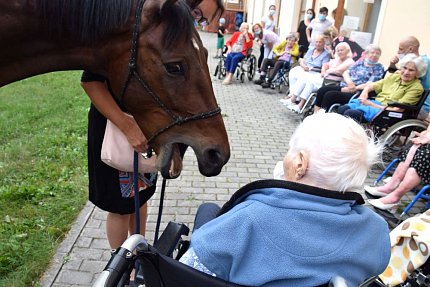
(285, 102)
(295, 108)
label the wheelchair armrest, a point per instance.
(403, 106)
(170, 237)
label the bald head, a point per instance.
(408, 45)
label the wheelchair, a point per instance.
(395, 129)
(281, 82)
(159, 265)
(220, 68)
(247, 67)
(308, 107)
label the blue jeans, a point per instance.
(232, 60)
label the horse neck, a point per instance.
(27, 50)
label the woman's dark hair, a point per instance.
(313, 12)
(272, 6)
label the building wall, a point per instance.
(397, 20)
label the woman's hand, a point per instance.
(365, 102)
(135, 136)
(421, 138)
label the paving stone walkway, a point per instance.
(259, 129)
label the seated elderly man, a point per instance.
(307, 228)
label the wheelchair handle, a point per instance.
(121, 259)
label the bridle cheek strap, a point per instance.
(133, 73)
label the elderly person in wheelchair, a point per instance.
(414, 168)
(311, 64)
(305, 229)
(286, 53)
(404, 88)
(355, 79)
(237, 48)
(331, 72)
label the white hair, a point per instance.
(419, 63)
(346, 46)
(340, 151)
(372, 47)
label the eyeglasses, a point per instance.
(198, 16)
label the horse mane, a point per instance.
(179, 22)
(89, 20)
(86, 20)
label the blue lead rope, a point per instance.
(136, 191)
(137, 198)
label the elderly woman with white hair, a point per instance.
(305, 229)
(332, 70)
(404, 87)
(355, 78)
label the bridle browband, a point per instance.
(132, 72)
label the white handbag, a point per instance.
(118, 153)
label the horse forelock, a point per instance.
(179, 23)
(85, 20)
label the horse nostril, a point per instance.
(214, 157)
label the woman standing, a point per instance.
(267, 23)
(303, 39)
(107, 186)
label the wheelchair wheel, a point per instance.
(396, 137)
(308, 111)
(216, 71)
(242, 77)
(252, 67)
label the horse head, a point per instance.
(169, 90)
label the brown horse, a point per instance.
(150, 52)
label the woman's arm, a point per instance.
(105, 104)
(423, 137)
(341, 68)
(365, 93)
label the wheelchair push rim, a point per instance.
(395, 139)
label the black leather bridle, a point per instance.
(132, 72)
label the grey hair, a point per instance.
(372, 47)
(340, 151)
(419, 63)
(291, 36)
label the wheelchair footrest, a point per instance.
(170, 238)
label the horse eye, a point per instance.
(174, 69)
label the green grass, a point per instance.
(43, 172)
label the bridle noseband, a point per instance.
(132, 72)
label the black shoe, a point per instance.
(266, 85)
(258, 81)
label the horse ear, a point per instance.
(166, 4)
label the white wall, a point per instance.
(289, 17)
(397, 21)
